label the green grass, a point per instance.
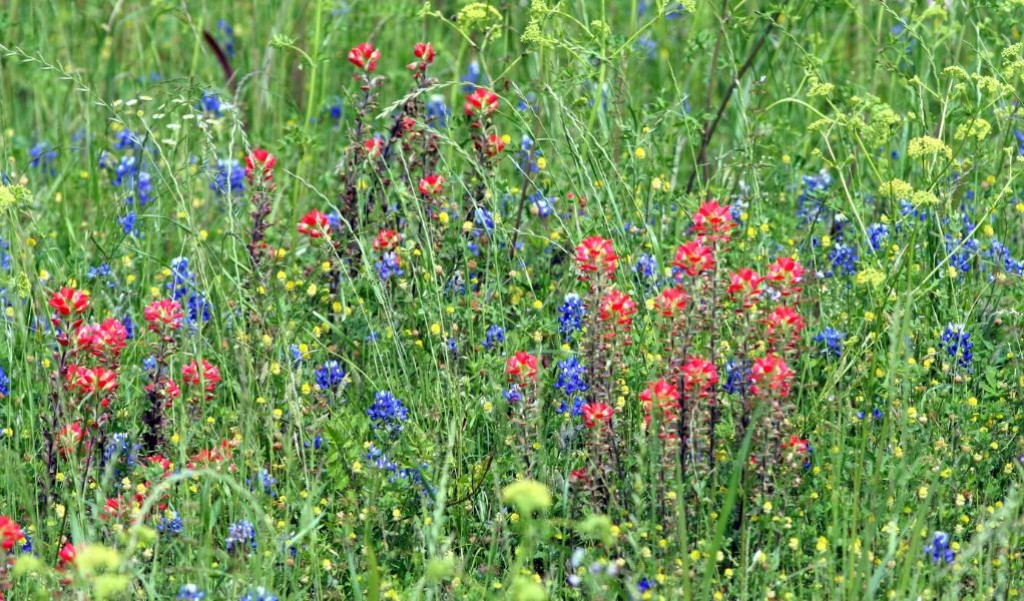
(645, 115)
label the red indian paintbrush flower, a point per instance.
(10, 533)
(663, 395)
(713, 221)
(745, 285)
(671, 302)
(596, 254)
(521, 366)
(373, 147)
(787, 272)
(89, 380)
(431, 185)
(481, 102)
(699, 375)
(424, 51)
(596, 414)
(68, 300)
(67, 556)
(618, 307)
(364, 56)
(69, 437)
(694, 258)
(105, 340)
(783, 323)
(314, 224)
(494, 145)
(165, 313)
(771, 376)
(386, 240)
(205, 374)
(261, 161)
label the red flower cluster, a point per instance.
(424, 51)
(771, 376)
(364, 56)
(104, 341)
(694, 258)
(481, 103)
(699, 375)
(745, 286)
(521, 366)
(671, 302)
(618, 307)
(431, 185)
(260, 161)
(163, 315)
(713, 222)
(314, 224)
(596, 414)
(205, 374)
(10, 533)
(787, 274)
(596, 255)
(663, 395)
(386, 240)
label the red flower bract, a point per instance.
(521, 366)
(373, 147)
(619, 307)
(596, 414)
(425, 52)
(694, 258)
(105, 340)
(771, 376)
(262, 161)
(713, 221)
(671, 302)
(386, 240)
(68, 300)
(205, 374)
(10, 533)
(494, 145)
(699, 375)
(481, 102)
(596, 254)
(787, 272)
(783, 321)
(165, 313)
(745, 284)
(314, 224)
(431, 185)
(364, 56)
(86, 380)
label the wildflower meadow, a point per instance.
(514, 299)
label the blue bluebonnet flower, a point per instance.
(832, 341)
(267, 481)
(210, 104)
(844, 260)
(296, 354)
(389, 266)
(813, 189)
(330, 376)
(646, 266)
(540, 205)
(129, 174)
(190, 592)
(124, 140)
(120, 450)
(228, 34)
(379, 459)
(878, 233)
(1001, 254)
(259, 594)
(129, 224)
(228, 177)
(495, 335)
(335, 109)
(474, 77)
(5, 257)
(528, 102)
(572, 382)
(453, 345)
(960, 252)
(173, 526)
(644, 585)
(43, 158)
(646, 44)
(129, 326)
(149, 363)
(241, 534)
(182, 287)
(387, 414)
(737, 377)
(437, 112)
(484, 219)
(5, 383)
(27, 547)
(456, 284)
(570, 315)
(514, 394)
(939, 549)
(957, 343)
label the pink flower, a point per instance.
(787, 272)
(10, 533)
(105, 340)
(746, 285)
(68, 300)
(364, 56)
